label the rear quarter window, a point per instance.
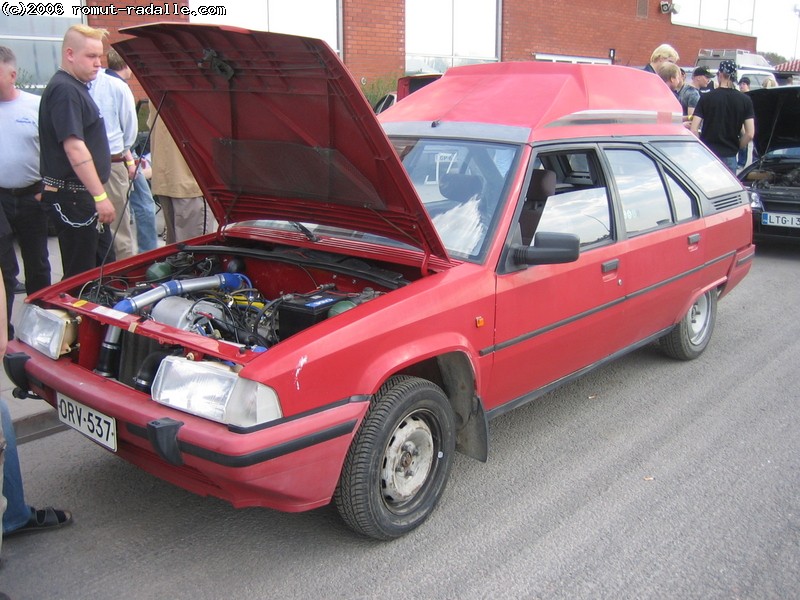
(703, 168)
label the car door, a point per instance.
(554, 320)
(662, 239)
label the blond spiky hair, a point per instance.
(83, 31)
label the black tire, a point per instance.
(689, 338)
(398, 465)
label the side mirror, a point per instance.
(548, 248)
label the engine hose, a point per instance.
(177, 287)
(108, 361)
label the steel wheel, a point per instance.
(689, 338)
(398, 465)
(408, 460)
(699, 320)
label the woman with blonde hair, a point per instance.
(769, 82)
(664, 53)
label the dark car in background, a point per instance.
(405, 87)
(774, 177)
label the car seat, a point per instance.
(459, 187)
(542, 186)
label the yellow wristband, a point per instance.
(129, 163)
(101, 197)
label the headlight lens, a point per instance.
(213, 391)
(755, 201)
(50, 331)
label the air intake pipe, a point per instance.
(108, 361)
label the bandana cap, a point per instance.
(728, 67)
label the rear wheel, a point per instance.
(689, 338)
(398, 465)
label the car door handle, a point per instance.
(610, 265)
(694, 238)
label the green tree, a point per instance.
(773, 58)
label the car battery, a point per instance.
(300, 311)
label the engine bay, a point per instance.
(772, 176)
(222, 302)
(258, 299)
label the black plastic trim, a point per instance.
(531, 396)
(259, 456)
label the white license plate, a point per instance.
(90, 422)
(780, 219)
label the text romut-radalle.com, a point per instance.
(22, 9)
(156, 9)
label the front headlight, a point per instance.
(755, 201)
(212, 390)
(50, 331)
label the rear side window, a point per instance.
(685, 204)
(644, 201)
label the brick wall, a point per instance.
(374, 40)
(591, 28)
(374, 33)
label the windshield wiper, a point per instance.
(305, 231)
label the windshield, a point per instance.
(793, 152)
(461, 184)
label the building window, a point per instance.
(448, 33)
(36, 42)
(309, 18)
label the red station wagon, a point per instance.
(378, 291)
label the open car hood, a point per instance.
(777, 118)
(274, 127)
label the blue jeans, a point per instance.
(17, 512)
(144, 213)
(741, 160)
(730, 162)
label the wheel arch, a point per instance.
(719, 285)
(454, 373)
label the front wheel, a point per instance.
(689, 338)
(398, 465)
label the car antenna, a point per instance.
(127, 199)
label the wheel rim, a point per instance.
(409, 460)
(698, 320)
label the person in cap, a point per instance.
(689, 94)
(744, 87)
(724, 118)
(744, 84)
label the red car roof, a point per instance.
(543, 98)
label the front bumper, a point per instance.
(291, 465)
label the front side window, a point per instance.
(461, 184)
(567, 194)
(448, 33)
